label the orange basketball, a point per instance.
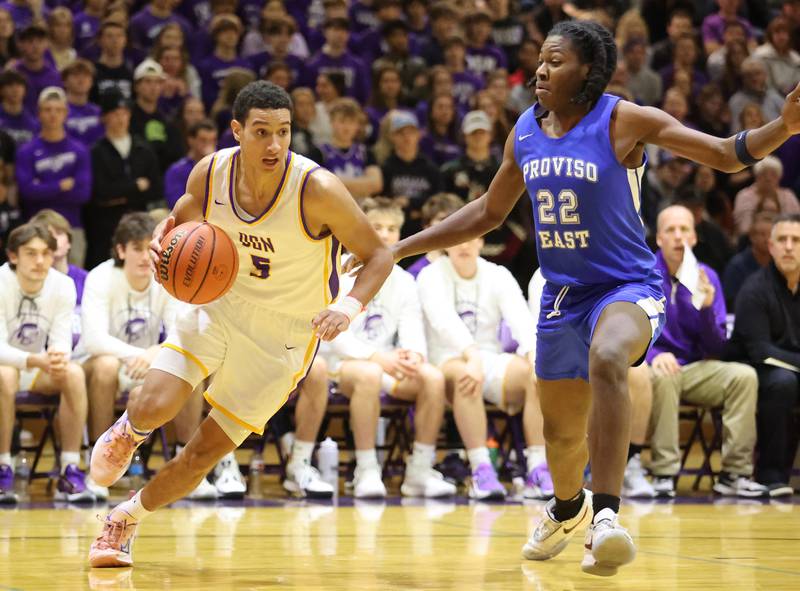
(198, 262)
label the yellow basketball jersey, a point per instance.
(281, 265)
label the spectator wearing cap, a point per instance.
(746, 262)
(148, 22)
(713, 28)
(32, 44)
(483, 56)
(783, 62)
(465, 83)
(15, 119)
(755, 89)
(643, 83)
(278, 35)
(398, 54)
(334, 57)
(766, 334)
(147, 121)
(202, 140)
(371, 43)
(53, 169)
(127, 176)
(83, 122)
(408, 176)
(112, 68)
(87, 22)
(765, 194)
(24, 12)
(226, 30)
(444, 20)
(508, 32)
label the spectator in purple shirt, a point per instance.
(370, 44)
(32, 64)
(684, 59)
(53, 170)
(440, 141)
(714, 26)
(83, 121)
(87, 22)
(24, 12)
(685, 367)
(15, 119)
(148, 22)
(202, 139)
(465, 83)
(412, 68)
(334, 57)
(226, 30)
(362, 14)
(278, 34)
(483, 56)
(444, 21)
(113, 70)
(387, 94)
(64, 259)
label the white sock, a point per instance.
(132, 511)
(366, 458)
(535, 454)
(70, 457)
(424, 453)
(478, 456)
(136, 434)
(6, 460)
(301, 452)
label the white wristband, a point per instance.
(349, 306)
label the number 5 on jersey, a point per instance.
(261, 267)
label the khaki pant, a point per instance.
(733, 386)
(77, 249)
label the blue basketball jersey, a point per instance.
(586, 205)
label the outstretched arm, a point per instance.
(476, 218)
(647, 125)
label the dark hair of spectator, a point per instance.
(393, 26)
(133, 227)
(346, 107)
(337, 79)
(779, 23)
(32, 32)
(336, 23)
(442, 10)
(10, 77)
(50, 218)
(377, 99)
(111, 23)
(281, 24)
(277, 66)
(683, 11)
(594, 45)
(452, 132)
(446, 203)
(260, 95)
(203, 125)
(79, 66)
(792, 218)
(23, 234)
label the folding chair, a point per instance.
(696, 415)
(32, 405)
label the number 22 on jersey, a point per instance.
(567, 214)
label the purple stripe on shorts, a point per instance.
(333, 280)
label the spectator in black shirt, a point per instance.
(112, 67)
(767, 334)
(408, 176)
(444, 24)
(754, 257)
(125, 176)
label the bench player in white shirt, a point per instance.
(385, 349)
(464, 298)
(124, 313)
(36, 304)
(287, 218)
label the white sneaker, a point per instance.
(731, 485)
(423, 481)
(367, 483)
(608, 546)
(635, 484)
(664, 486)
(550, 536)
(304, 479)
(228, 480)
(205, 491)
(100, 492)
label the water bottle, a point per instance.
(136, 472)
(254, 476)
(380, 438)
(22, 475)
(328, 462)
(494, 452)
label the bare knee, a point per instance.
(432, 381)
(198, 461)
(366, 377)
(104, 369)
(316, 383)
(607, 363)
(563, 440)
(9, 381)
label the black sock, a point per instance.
(602, 501)
(633, 449)
(564, 510)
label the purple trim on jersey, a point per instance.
(208, 186)
(333, 280)
(302, 214)
(274, 197)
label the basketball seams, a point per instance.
(177, 257)
(210, 261)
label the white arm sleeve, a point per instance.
(514, 309)
(60, 337)
(440, 312)
(347, 345)
(95, 320)
(410, 326)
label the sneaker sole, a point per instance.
(292, 487)
(109, 561)
(412, 491)
(614, 551)
(492, 496)
(82, 497)
(727, 491)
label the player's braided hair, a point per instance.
(594, 45)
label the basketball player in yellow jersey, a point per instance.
(286, 215)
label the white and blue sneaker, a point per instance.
(608, 546)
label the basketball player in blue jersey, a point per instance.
(579, 153)
(287, 217)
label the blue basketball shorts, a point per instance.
(568, 317)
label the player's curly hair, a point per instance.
(260, 95)
(594, 45)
